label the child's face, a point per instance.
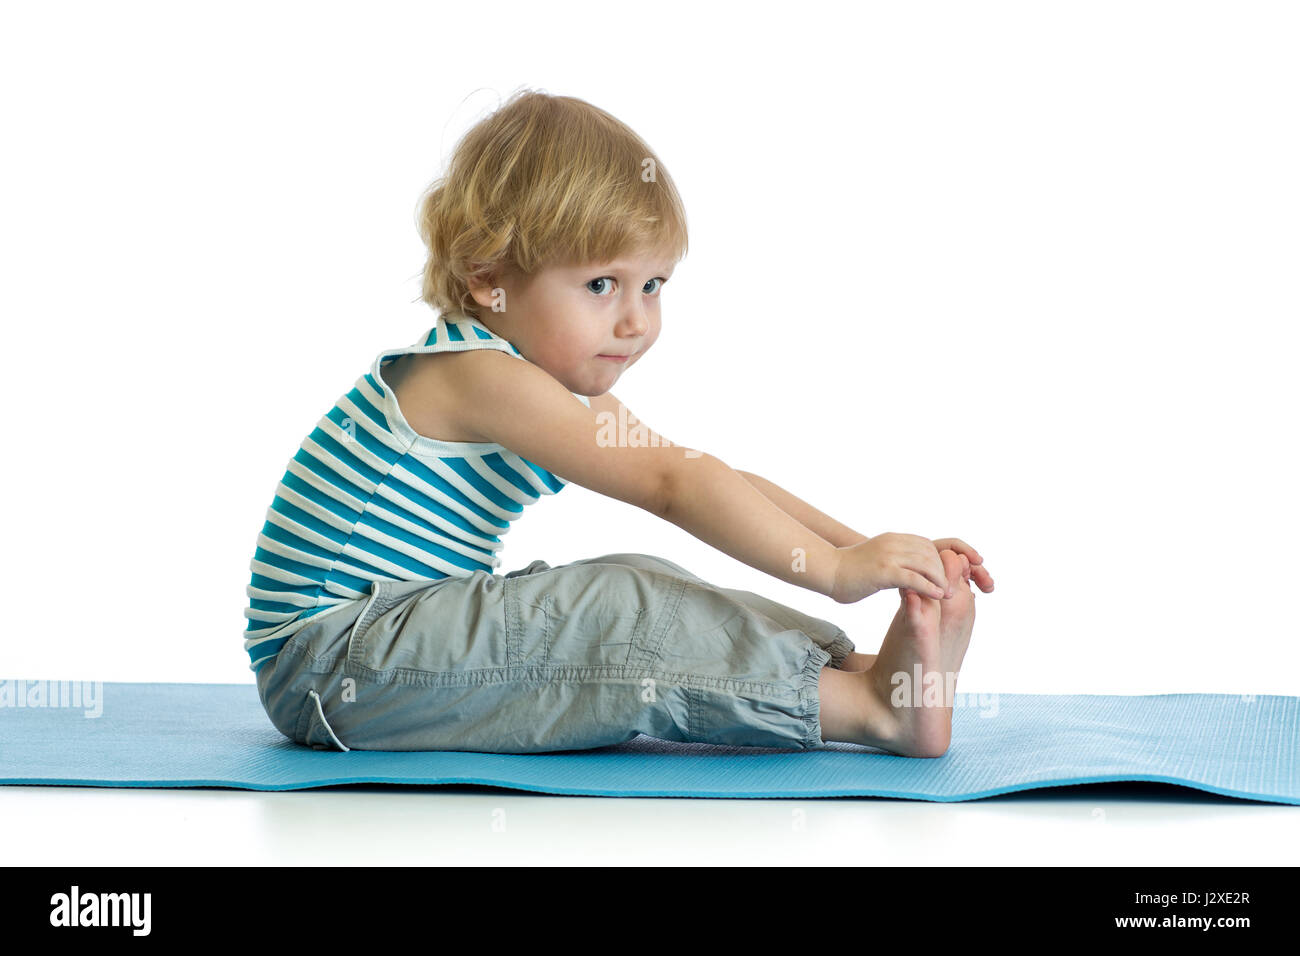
(568, 319)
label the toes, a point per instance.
(955, 566)
(910, 600)
(914, 606)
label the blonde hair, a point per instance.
(544, 180)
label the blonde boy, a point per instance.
(376, 617)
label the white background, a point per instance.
(1020, 273)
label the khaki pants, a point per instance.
(544, 658)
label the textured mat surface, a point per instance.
(217, 735)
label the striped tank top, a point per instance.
(366, 499)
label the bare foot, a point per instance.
(913, 711)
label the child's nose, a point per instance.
(635, 323)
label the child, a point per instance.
(376, 618)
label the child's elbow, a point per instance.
(683, 470)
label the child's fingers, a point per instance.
(923, 585)
(961, 547)
(935, 571)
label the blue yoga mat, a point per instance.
(217, 735)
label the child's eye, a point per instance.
(660, 279)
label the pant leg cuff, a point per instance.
(810, 697)
(840, 648)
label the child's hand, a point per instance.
(889, 561)
(980, 576)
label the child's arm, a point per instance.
(708, 498)
(842, 536)
(822, 524)
(523, 408)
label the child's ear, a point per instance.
(480, 287)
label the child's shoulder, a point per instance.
(428, 386)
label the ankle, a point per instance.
(909, 729)
(881, 727)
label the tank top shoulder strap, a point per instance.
(458, 333)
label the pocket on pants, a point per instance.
(410, 631)
(314, 730)
(600, 636)
(584, 614)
